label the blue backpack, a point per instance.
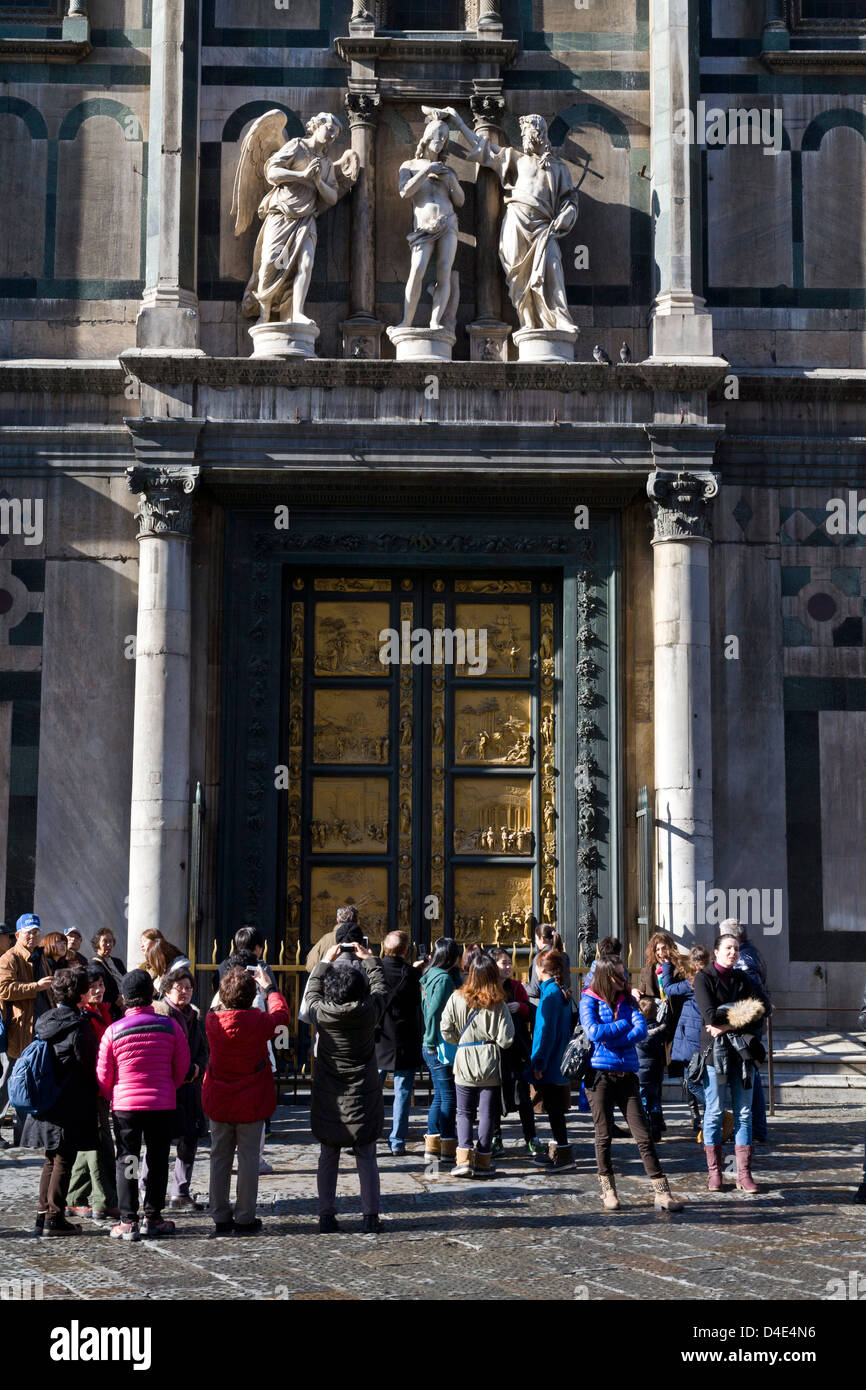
(33, 1086)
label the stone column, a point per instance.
(76, 24)
(489, 17)
(776, 36)
(362, 332)
(488, 335)
(159, 832)
(681, 681)
(681, 327)
(168, 317)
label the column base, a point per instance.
(681, 328)
(362, 338)
(167, 326)
(422, 344)
(545, 344)
(488, 341)
(284, 339)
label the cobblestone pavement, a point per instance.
(520, 1235)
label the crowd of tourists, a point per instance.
(110, 1069)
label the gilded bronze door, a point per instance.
(420, 724)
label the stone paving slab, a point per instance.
(521, 1235)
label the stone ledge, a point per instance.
(813, 61)
(431, 48)
(157, 369)
(797, 383)
(104, 376)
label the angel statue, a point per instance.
(301, 182)
(435, 193)
(540, 207)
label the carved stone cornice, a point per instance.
(680, 505)
(466, 48)
(165, 503)
(362, 108)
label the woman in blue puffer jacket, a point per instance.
(687, 1038)
(614, 1024)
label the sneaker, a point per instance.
(222, 1228)
(126, 1230)
(79, 1211)
(372, 1226)
(497, 1147)
(265, 1169)
(185, 1203)
(328, 1224)
(154, 1228)
(249, 1228)
(535, 1146)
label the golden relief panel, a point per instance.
(349, 886)
(437, 820)
(350, 815)
(493, 904)
(492, 816)
(493, 586)
(294, 898)
(347, 638)
(404, 819)
(344, 586)
(508, 643)
(351, 726)
(492, 728)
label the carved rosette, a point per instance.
(587, 770)
(680, 505)
(437, 750)
(404, 819)
(165, 505)
(362, 108)
(294, 898)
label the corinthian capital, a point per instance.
(165, 505)
(362, 108)
(487, 109)
(680, 504)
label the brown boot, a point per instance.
(745, 1182)
(433, 1146)
(714, 1167)
(483, 1164)
(465, 1164)
(448, 1148)
(664, 1198)
(608, 1193)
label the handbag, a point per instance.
(446, 1052)
(697, 1067)
(577, 1057)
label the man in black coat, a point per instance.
(398, 1046)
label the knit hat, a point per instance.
(137, 987)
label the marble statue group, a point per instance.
(290, 182)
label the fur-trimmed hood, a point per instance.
(743, 1013)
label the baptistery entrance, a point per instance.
(421, 747)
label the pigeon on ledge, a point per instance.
(599, 355)
(625, 353)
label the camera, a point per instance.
(348, 947)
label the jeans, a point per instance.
(442, 1117)
(622, 1090)
(480, 1100)
(651, 1100)
(693, 1095)
(403, 1083)
(131, 1128)
(368, 1176)
(759, 1108)
(555, 1101)
(741, 1104)
(226, 1138)
(6, 1065)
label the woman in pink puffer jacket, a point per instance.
(143, 1058)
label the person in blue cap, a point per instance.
(18, 990)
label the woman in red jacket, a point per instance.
(239, 1093)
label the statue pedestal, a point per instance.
(284, 339)
(422, 344)
(488, 341)
(545, 344)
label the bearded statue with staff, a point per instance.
(298, 181)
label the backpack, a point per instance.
(577, 1057)
(33, 1086)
